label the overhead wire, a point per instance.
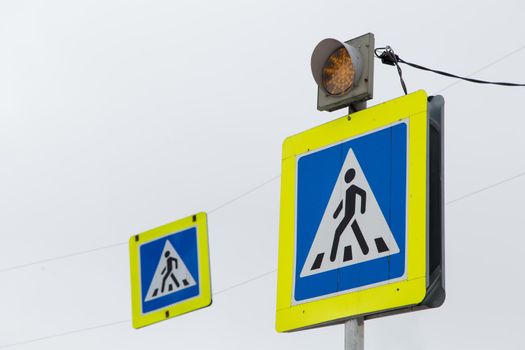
(126, 321)
(65, 256)
(394, 59)
(63, 334)
(485, 188)
(388, 56)
(483, 68)
(468, 195)
(240, 284)
(118, 244)
(217, 208)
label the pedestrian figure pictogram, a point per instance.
(349, 203)
(170, 276)
(168, 272)
(353, 229)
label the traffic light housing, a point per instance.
(343, 71)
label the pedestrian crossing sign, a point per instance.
(353, 220)
(170, 273)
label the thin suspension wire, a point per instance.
(485, 188)
(88, 251)
(247, 281)
(16, 267)
(268, 273)
(65, 256)
(63, 334)
(126, 321)
(244, 194)
(250, 280)
(392, 57)
(222, 206)
(483, 68)
(388, 56)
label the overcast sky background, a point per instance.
(119, 116)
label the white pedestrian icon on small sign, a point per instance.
(171, 274)
(353, 229)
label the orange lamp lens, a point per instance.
(338, 72)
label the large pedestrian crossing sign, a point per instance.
(170, 272)
(353, 221)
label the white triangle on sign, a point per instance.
(363, 236)
(171, 274)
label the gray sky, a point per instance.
(119, 116)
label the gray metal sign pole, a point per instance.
(355, 328)
(355, 334)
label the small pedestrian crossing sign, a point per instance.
(170, 270)
(353, 216)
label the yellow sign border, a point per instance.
(202, 300)
(391, 296)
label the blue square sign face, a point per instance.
(351, 217)
(169, 271)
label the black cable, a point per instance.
(502, 83)
(387, 56)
